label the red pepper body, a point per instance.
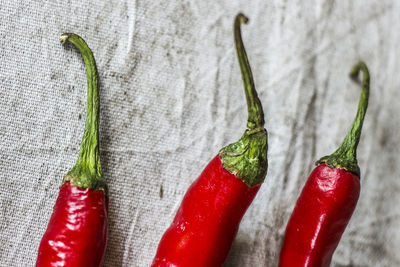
(207, 221)
(76, 235)
(320, 217)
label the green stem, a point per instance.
(247, 158)
(87, 172)
(345, 156)
(254, 107)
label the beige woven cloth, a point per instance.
(171, 97)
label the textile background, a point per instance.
(172, 96)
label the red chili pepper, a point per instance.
(207, 221)
(76, 235)
(328, 199)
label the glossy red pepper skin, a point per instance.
(77, 231)
(76, 234)
(320, 217)
(207, 221)
(329, 196)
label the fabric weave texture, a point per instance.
(171, 96)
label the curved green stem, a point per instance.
(87, 172)
(345, 156)
(254, 107)
(247, 158)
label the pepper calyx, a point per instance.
(340, 162)
(84, 179)
(247, 158)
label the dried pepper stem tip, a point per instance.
(64, 37)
